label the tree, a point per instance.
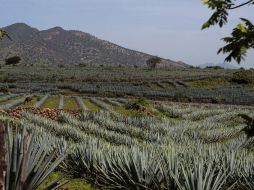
(3, 34)
(153, 61)
(242, 36)
(12, 60)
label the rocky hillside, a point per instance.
(59, 46)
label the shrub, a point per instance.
(218, 100)
(180, 97)
(214, 67)
(153, 61)
(82, 65)
(138, 105)
(61, 66)
(243, 77)
(4, 89)
(12, 60)
(7, 79)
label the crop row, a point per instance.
(61, 102)
(119, 152)
(164, 88)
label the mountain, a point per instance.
(59, 46)
(223, 65)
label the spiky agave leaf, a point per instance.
(29, 161)
(131, 170)
(202, 177)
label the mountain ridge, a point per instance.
(59, 46)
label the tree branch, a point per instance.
(238, 6)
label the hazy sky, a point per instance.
(167, 28)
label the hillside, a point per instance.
(59, 46)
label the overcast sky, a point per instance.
(167, 28)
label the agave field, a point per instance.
(11, 101)
(186, 147)
(165, 88)
(196, 85)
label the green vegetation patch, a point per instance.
(71, 104)
(68, 92)
(153, 85)
(52, 102)
(4, 89)
(132, 113)
(73, 184)
(167, 85)
(11, 100)
(209, 83)
(138, 108)
(243, 77)
(90, 105)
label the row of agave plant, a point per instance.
(233, 95)
(27, 159)
(118, 152)
(105, 103)
(7, 97)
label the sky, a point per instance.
(166, 28)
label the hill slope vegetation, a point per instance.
(59, 46)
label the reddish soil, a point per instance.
(44, 112)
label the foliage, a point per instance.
(112, 102)
(249, 129)
(80, 103)
(205, 89)
(70, 103)
(61, 102)
(4, 89)
(127, 112)
(29, 161)
(204, 148)
(12, 103)
(153, 61)
(52, 102)
(242, 37)
(100, 104)
(243, 77)
(218, 100)
(90, 105)
(12, 60)
(73, 184)
(214, 67)
(3, 34)
(8, 97)
(218, 82)
(138, 105)
(180, 97)
(82, 65)
(101, 75)
(41, 101)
